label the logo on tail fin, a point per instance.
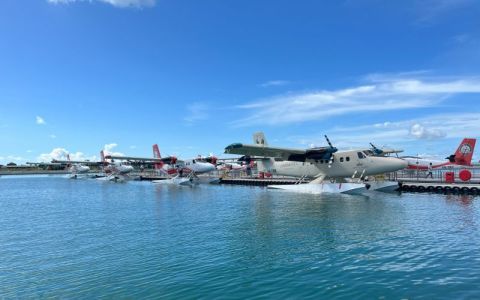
(464, 153)
(465, 149)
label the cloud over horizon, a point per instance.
(427, 129)
(61, 154)
(382, 93)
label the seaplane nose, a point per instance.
(400, 164)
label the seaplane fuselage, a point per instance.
(342, 164)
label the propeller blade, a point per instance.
(328, 141)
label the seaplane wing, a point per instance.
(391, 151)
(143, 159)
(83, 162)
(383, 151)
(284, 153)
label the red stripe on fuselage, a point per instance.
(423, 167)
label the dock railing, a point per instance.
(438, 175)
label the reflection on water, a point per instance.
(84, 238)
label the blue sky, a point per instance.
(195, 76)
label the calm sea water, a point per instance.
(85, 238)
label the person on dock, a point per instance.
(430, 171)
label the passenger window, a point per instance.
(341, 159)
(361, 155)
(193, 161)
(348, 158)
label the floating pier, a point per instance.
(440, 187)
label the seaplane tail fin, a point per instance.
(156, 154)
(259, 139)
(156, 151)
(464, 153)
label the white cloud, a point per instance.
(40, 121)
(52, 136)
(196, 112)
(429, 11)
(380, 94)
(57, 153)
(61, 154)
(108, 150)
(413, 132)
(274, 83)
(116, 3)
(421, 132)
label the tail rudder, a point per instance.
(464, 153)
(213, 160)
(68, 165)
(259, 139)
(156, 154)
(156, 151)
(102, 156)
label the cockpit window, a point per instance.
(361, 155)
(369, 153)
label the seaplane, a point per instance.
(460, 159)
(78, 169)
(177, 171)
(375, 151)
(114, 170)
(188, 171)
(333, 171)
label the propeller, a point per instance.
(376, 150)
(330, 161)
(328, 142)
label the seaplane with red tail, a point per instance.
(188, 171)
(176, 171)
(460, 159)
(114, 170)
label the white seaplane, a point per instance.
(328, 166)
(78, 169)
(114, 170)
(177, 171)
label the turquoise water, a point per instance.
(85, 238)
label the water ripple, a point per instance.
(83, 239)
